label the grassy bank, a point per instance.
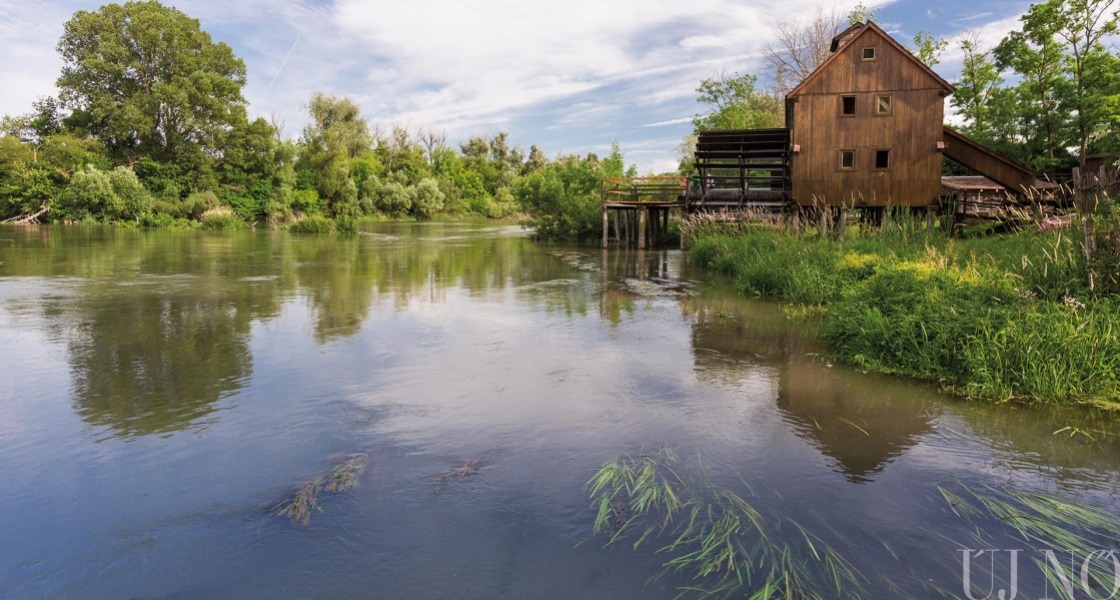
(999, 317)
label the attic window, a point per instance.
(847, 160)
(869, 53)
(882, 159)
(848, 105)
(883, 105)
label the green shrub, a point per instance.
(221, 221)
(346, 225)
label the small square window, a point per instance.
(869, 53)
(883, 105)
(882, 159)
(848, 105)
(847, 160)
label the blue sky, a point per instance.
(567, 75)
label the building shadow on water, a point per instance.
(860, 422)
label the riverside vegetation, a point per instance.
(150, 129)
(1023, 316)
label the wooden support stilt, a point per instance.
(643, 218)
(606, 227)
(626, 227)
(617, 236)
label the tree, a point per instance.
(147, 81)
(798, 49)
(979, 78)
(1043, 92)
(734, 103)
(927, 48)
(1083, 25)
(335, 135)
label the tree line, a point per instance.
(150, 127)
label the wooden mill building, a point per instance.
(864, 130)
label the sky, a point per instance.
(570, 76)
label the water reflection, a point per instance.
(861, 422)
(157, 357)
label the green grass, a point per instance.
(712, 534)
(998, 317)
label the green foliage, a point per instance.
(346, 225)
(927, 48)
(734, 103)
(147, 81)
(563, 198)
(427, 199)
(222, 221)
(391, 197)
(116, 195)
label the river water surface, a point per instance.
(161, 391)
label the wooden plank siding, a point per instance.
(910, 132)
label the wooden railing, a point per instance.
(634, 190)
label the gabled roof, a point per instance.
(855, 31)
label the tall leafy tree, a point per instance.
(928, 48)
(734, 103)
(978, 81)
(146, 80)
(335, 134)
(1042, 95)
(1082, 26)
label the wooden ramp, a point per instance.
(1000, 169)
(740, 169)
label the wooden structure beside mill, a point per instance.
(865, 130)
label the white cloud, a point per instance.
(564, 75)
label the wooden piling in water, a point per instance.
(643, 218)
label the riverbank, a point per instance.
(996, 318)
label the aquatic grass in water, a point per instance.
(713, 534)
(305, 500)
(465, 469)
(1046, 522)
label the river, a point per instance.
(162, 391)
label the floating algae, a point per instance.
(466, 469)
(298, 508)
(340, 478)
(725, 543)
(345, 475)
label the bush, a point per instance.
(312, 224)
(346, 225)
(426, 197)
(222, 220)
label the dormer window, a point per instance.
(868, 53)
(847, 105)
